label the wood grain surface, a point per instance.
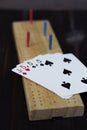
(42, 103)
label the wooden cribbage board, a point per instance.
(42, 103)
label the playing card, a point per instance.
(70, 76)
(42, 70)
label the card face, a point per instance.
(63, 74)
(41, 70)
(71, 73)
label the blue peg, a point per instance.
(50, 41)
(45, 28)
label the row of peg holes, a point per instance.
(39, 96)
(54, 101)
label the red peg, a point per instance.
(28, 39)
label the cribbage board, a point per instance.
(42, 103)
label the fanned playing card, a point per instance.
(71, 76)
(41, 70)
(63, 74)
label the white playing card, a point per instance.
(45, 76)
(71, 73)
(47, 66)
(36, 76)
